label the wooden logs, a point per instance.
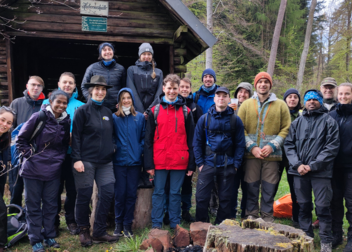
(257, 235)
(143, 208)
(180, 69)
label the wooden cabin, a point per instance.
(54, 38)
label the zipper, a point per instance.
(101, 126)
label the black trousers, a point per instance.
(16, 189)
(342, 188)
(3, 216)
(323, 194)
(225, 180)
(68, 181)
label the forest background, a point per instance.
(244, 29)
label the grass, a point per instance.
(71, 243)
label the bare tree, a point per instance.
(304, 54)
(276, 37)
(209, 52)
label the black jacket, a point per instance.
(143, 86)
(115, 75)
(92, 134)
(24, 108)
(343, 116)
(197, 111)
(313, 140)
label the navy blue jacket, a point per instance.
(343, 116)
(206, 100)
(129, 134)
(220, 142)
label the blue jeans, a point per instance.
(176, 180)
(41, 205)
(126, 186)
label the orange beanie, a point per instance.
(263, 75)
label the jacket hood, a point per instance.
(74, 94)
(321, 110)
(227, 111)
(246, 86)
(49, 112)
(272, 97)
(129, 91)
(29, 99)
(180, 102)
(344, 109)
(145, 64)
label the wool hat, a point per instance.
(106, 44)
(263, 75)
(313, 94)
(292, 91)
(145, 47)
(209, 71)
(222, 89)
(246, 86)
(329, 81)
(97, 80)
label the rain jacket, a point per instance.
(145, 88)
(206, 100)
(129, 134)
(168, 145)
(25, 107)
(313, 140)
(343, 116)
(114, 74)
(220, 139)
(52, 144)
(196, 110)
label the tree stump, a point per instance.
(94, 205)
(143, 208)
(256, 236)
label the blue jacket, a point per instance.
(129, 134)
(219, 139)
(206, 100)
(72, 105)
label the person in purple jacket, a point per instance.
(41, 169)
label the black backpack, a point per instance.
(16, 226)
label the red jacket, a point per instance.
(168, 145)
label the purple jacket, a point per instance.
(45, 164)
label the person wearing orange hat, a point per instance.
(266, 121)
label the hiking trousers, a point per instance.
(3, 221)
(265, 174)
(323, 194)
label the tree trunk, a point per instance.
(276, 37)
(304, 55)
(209, 51)
(348, 39)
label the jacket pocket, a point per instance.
(159, 154)
(181, 154)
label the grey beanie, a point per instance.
(246, 86)
(145, 47)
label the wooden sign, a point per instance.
(96, 24)
(96, 8)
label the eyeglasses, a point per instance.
(35, 85)
(8, 109)
(329, 87)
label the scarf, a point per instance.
(126, 110)
(209, 89)
(169, 102)
(108, 63)
(97, 102)
(329, 101)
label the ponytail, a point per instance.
(153, 74)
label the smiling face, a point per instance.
(263, 86)
(221, 99)
(146, 56)
(208, 80)
(67, 84)
(98, 93)
(344, 95)
(312, 104)
(242, 95)
(292, 101)
(185, 88)
(6, 121)
(171, 91)
(107, 53)
(328, 91)
(59, 105)
(126, 99)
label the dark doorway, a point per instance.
(49, 58)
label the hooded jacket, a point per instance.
(92, 134)
(343, 117)
(145, 88)
(25, 107)
(196, 110)
(206, 100)
(52, 144)
(114, 74)
(129, 132)
(168, 145)
(246, 86)
(220, 139)
(313, 140)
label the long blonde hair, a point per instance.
(153, 74)
(119, 112)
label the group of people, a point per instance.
(144, 124)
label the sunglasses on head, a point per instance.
(8, 109)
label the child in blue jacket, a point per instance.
(129, 131)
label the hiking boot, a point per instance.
(295, 224)
(166, 219)
(187, 217)
(127, 231)
(337, 239)
(118, 230)
(315, 224)
(156, 227)
(72, 227)
(38, 247)
(213, 211)
(105, 238)
(348, 247)
(268, 218)
(325, 247)
(51, 243)
(84, 237)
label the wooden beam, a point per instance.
(180, 52)
(180, 69)
(177, 35)
(179, 60)
(171, 59)
(9, 70)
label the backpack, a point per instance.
(196, 98)
(16, 226)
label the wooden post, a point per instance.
(143, 208)
(171, 59)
